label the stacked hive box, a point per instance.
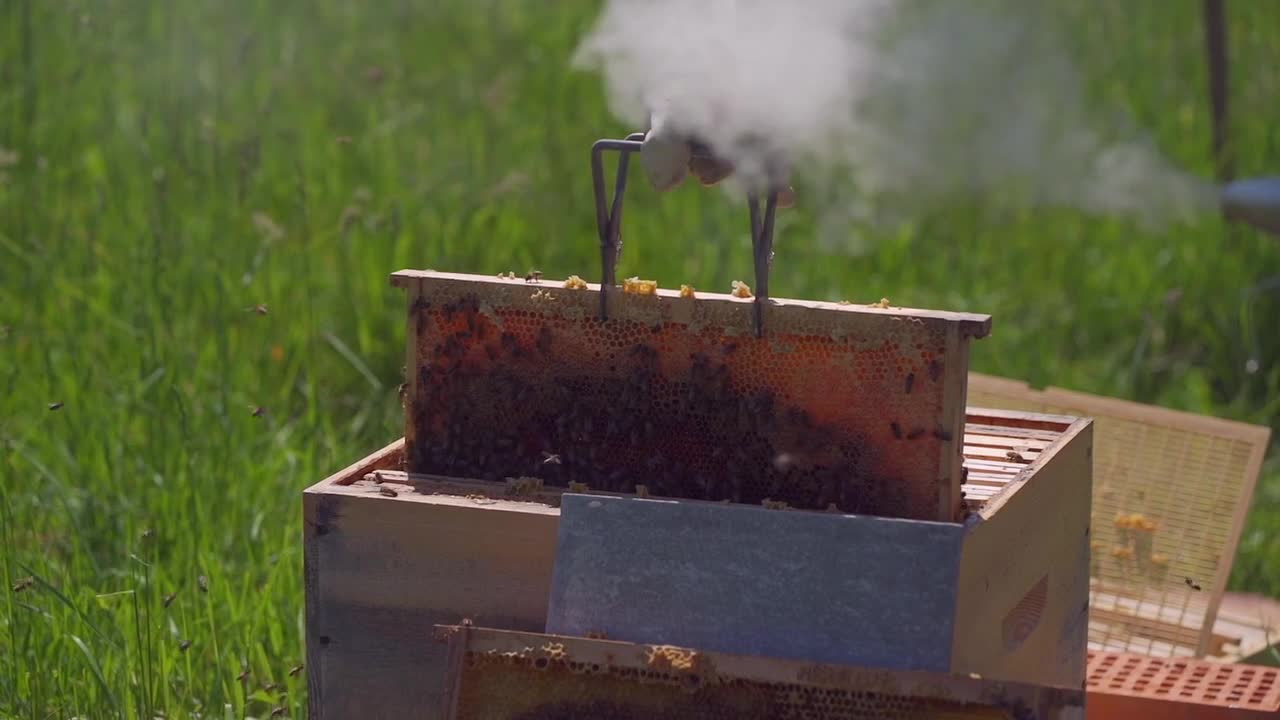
(517, 393)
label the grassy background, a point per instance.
(169, 166)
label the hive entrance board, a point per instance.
(1171, 492)
(856, 407)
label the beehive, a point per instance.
(1172, 490)
(390, 554)
(517, 393)
(498, 674)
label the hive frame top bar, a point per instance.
(971, 325)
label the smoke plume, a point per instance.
(914, 103)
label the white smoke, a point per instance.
(915, 102)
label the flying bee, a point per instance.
(293, 671)
(203, 582)
(168, 599)
(1192, 584)
(24, 583)
(550, 458)
(183, 645)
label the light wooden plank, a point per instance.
(1036, 531)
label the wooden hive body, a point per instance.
(381, 570)
(858, 408)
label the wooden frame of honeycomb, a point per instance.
(503, 674)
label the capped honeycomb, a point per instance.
(518, 676)
(852, 408)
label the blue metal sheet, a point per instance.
(743, 579)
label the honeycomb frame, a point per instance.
(513, 378)
(533, 676)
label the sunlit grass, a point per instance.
(179, 164)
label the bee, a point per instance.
(257, 411)
(1192, 584)
(910, 383)
(148, 534)
(55, 405)
(550, 458)
(183, 645)
(523, 485)
(1014, 455)
(243, 677)
(24, 583)
(293, 671)
(203, 582)
(279, 711)
(387, 492)
(168, 599)
(533, 276)
(897, 430)
(260, 308)
(935, 370)
(942, 434)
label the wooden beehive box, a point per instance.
(1172, 490)
(516, 393)
(382, 569)
(503, 674)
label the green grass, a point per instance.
(181, 162)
